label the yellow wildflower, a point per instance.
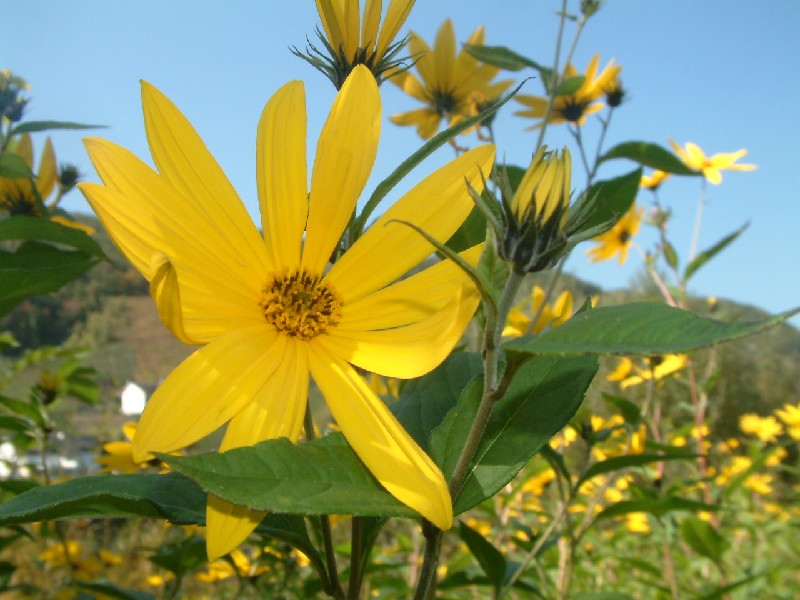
(572, 108)
(452, 87)
(637, 522)
(269, 311)
(520, 323)
(711, 166)
(790, 415)
(654, 180)
(656, 368)
(617, 240)
(766, 429)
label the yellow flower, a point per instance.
(269, 311)
(452, 87)
(654, 180)
(637, 522)
(790, 415)
(361, 41)
(18, 196)
(623, 370)
(759, 483)
(572, 108)
(617, 240)
(766, 429)
(656, 368)
(118, 456)
(711, 166)
(520, 323)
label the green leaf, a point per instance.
(655, 506)
(721, 592)
(13, 166)
(323, 476)
(623, 462)
(169, 496)
(471, 232)
(649, 155)
(112, 590)
(424, 402)
(35, 126)
(433, 144)
(505, 58)
(15, 424)
(489, 558)
(670, 255)
(643, 328)
(570, 85)
(43, 230)
(543, 396)
(600, 206)
(706, 255)
(703, 538)
(182, 556)
(36, 268)
(600, 596)
(25, 409)
(629, 411)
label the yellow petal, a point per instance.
(47, 175)
(23, 147)
(165, 292)
(380, 441)
(370, 24)
(396, 15)
(387, 250)
(426, 61)
(444, 57)
(227, 526)
(331, 17)
(208, 389)
(183, 161)
(409, 350)
(351, 28)
(345, 154)
(281, 174)
(411, 299)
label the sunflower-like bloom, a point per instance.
(355, 40)
(573, 108)
(766, 429)
(269, 311)
(790, 415)
(711, 166)
(21, 196)
(654, 180)
(657, 367)
(617, 240)
(537, 214)
(520, 323)
(452, 87)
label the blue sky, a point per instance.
(721, 73)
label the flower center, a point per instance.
(300, 304)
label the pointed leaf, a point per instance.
(424, 402)
(655, 506)
(500, 56)
(471, 232)
(42, 230)
(649, 155)
(169, 496)
(703, 538)
(543, 396)
(706, 255)
(489, 558)
(643, 328)
(600, 206)
(35, 126)
(13, 166)
(323, 476)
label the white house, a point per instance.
(132, 399)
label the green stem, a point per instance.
(426, 587)
(332, 586)
(354, 585)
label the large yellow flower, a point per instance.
(617, 240)
(453, 87)
(572, 108)
(711, 166)
(362, 41)
(270, 311)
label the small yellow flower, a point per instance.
(452, 87)
(637, 522)
(360, 40)
(572, 108)
(117, 457)
(711, 166)
(617, 240)
(654, 180)
(268, 310)
(766, 429)
(655, 368)
(521, 323)
(760, 483)
(790, 415)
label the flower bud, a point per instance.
(534, 238)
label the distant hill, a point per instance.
(109, 312)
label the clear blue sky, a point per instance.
(721, 73)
